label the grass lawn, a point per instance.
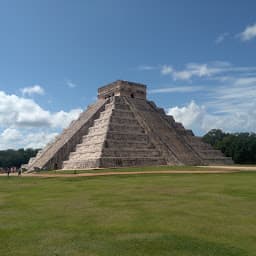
(179, 214)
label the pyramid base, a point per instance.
(219, 161)
(112, 163)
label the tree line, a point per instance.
(15, 158)
(240, 146)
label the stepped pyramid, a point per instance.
(123, 128)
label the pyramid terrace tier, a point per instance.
(108, 162)
(128, 152)
(116, 144)
(116, 135)
(119, 113)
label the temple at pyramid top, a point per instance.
(123, 88)
(123, 128)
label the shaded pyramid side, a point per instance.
(53, 155)
(115, 139)
(172, 145)
(207, 154)
(187, 148)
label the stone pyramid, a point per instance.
(124, 129)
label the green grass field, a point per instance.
(178, 214)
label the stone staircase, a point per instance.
(115, 139)
(52, 156)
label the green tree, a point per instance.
(15, 158)
(240, 146)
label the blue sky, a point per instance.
(197, 58)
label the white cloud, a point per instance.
(63, 119)
(35, 89)
(189, 115)
(177, 89)
(196, 70)
(201, 120)
(236, 92)
(23, 123)
(9, 137)
(21, 112)
(207, 70)
(182, 75)
(10, 134)
(249, 33)
(231, 107)
(228, 99)
(165, 70)
(147, 67)
(38, 139)
(231, 99)
(221, 38)
(12, 138)
(211, 70)
(245, 81)
(228, 96)
(70, 84)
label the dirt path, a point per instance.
(208, 170)
(230, 167)
(45, 175)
